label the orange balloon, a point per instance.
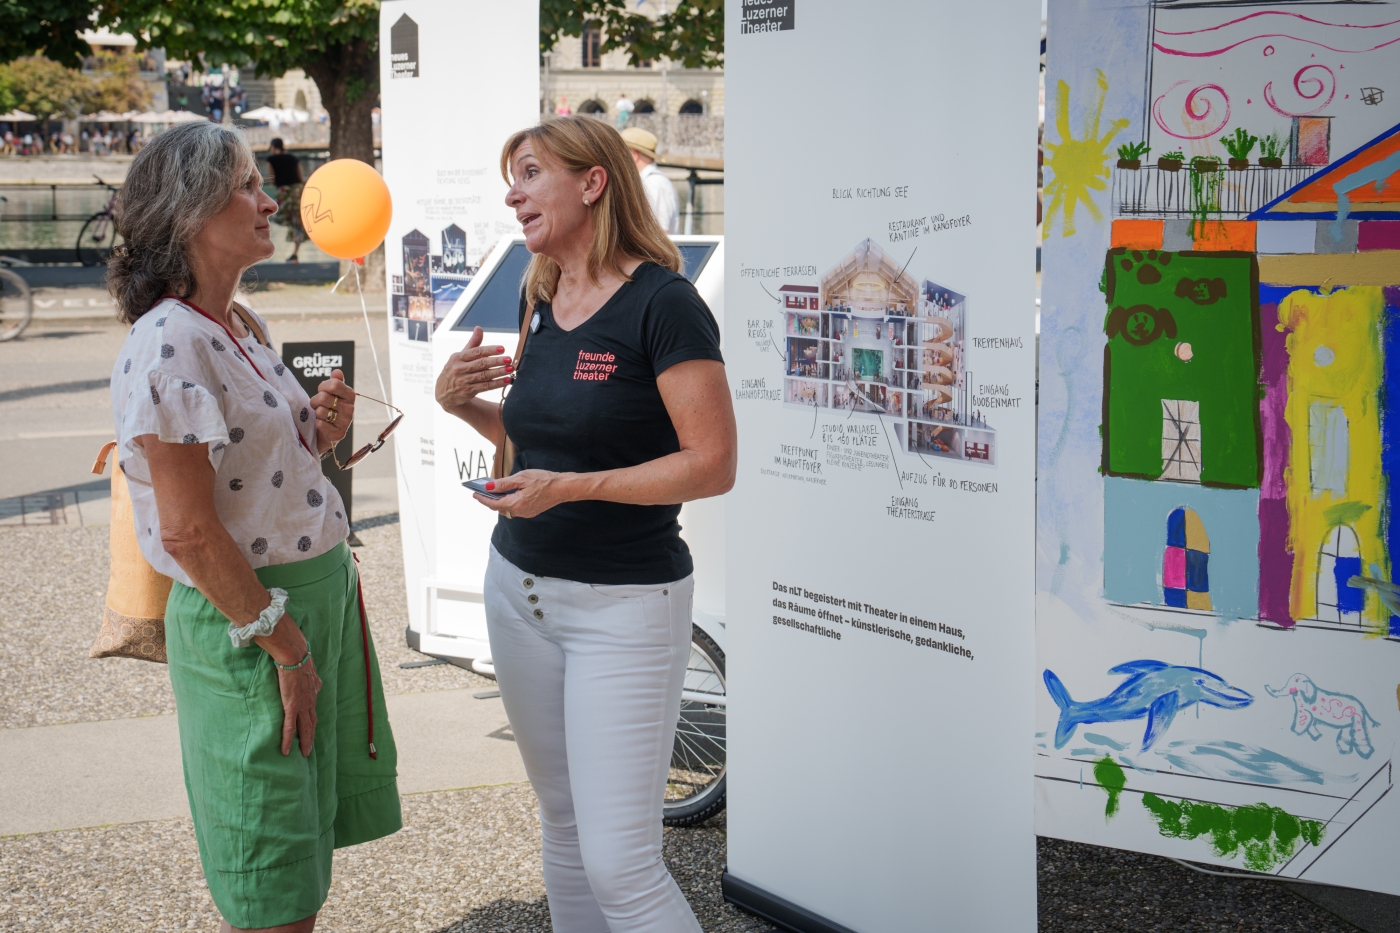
(345, 208)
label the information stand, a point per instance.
(457, 77)
(880, 262)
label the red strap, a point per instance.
(369, 683)
(234, 340)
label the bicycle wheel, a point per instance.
(695, 788)
(16, 305)
(97, 238)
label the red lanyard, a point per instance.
(234, 341)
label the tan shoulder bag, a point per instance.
(133, 622)
(503, 463)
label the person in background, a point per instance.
(624, 108)
(563, 109)
(287, 177)
(589, 583)
(660, 193)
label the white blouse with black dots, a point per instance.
(178, 377)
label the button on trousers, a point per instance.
(591, 680)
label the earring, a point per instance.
(585, 202)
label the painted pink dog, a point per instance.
(1314, 707)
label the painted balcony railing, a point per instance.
(1225, 193)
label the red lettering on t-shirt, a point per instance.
(594, 367)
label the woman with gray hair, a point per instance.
(222, 453)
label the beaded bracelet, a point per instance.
(292, 667)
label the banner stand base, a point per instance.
(785, 914)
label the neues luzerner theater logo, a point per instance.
(403, 48)
(766, 16)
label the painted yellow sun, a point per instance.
(1078, 167)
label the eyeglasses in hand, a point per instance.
(368, 449)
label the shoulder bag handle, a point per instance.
(503, 462)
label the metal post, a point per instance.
(690, 204)
(53, 203)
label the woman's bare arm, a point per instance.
(696, 395)
(191, 533)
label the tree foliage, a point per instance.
(115, 84)
(336, 42)
(691, 34)
(52, 28)
(273, 35)
(41, 86)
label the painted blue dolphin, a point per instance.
(1154, 689)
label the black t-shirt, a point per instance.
(284, 169)
(586, 400)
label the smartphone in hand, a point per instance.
(479, 486)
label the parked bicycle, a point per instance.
(16, 300)
(695, 788)
(99, 234)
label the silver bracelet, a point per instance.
(242, 636)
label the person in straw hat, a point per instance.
(661, 194)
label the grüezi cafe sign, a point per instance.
(319, 364)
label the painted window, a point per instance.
(1185, 571)
(1328, 445)
(1181, 441)
(1339, 561)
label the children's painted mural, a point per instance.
(1219, 456)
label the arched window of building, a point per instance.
(300, 102)
(1338, 561)
(692, 106)
(645, 105)
(592, 106)
(1185, 576)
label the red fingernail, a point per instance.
(500, 349)
(490, 485)
(509, 380)
(509, 368)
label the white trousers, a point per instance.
(591, 679)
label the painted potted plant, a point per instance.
(1130, 155)
(1271, 151)
(1171, 161)
(1204, 165)
(1239, 145)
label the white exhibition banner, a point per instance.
(457, 77)
(880, 341)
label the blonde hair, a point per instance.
(623, 224)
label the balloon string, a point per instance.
(384, 394)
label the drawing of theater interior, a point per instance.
(872, 340)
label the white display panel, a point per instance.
(880, 166)
(456, 79)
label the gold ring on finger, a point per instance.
(335, 400)
(331, 416)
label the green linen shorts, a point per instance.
(267, 823)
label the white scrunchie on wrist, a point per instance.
(242, 636)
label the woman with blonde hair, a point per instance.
(619, 410)
(284, 736)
